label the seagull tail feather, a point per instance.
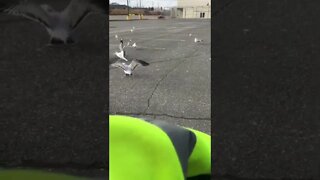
(143, 63)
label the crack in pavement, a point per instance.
(144, 113)
(193, 54)
(166, 75)
(165, 115)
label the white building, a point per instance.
(192, 9)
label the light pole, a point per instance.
(128, 7)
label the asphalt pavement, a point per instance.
(175, 87)
(53, 99)
(264, 124)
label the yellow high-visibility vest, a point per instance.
(144, 150)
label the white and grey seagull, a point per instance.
(122, 53)
(128, 43)
(59, 24)
(128, 67)
(197, 40)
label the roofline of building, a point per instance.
(190, 6)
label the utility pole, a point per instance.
(128, 7)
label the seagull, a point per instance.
(129, 67)
(128, 43)
(131, 30)
(197, 40)
(122, 53)
(59, 24)
(134, 45)
(116, 36)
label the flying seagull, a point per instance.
(197, 40)
(122, 53)
(59, 24)
(129, 67)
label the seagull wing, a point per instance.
(118, 64)
(136, 63)
(77, 10)
(28, 10)
(143, 63)
(121, 55)
(121, 46)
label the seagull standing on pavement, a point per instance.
(59, 24)
(129, 67)
(128, 43)
(132, 29)
(197, 40)
(122, 53)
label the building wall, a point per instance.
(193, 3)
(192, 9)
(191, 12)
(194, 12)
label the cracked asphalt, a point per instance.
(53, 98)
(175, 87)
